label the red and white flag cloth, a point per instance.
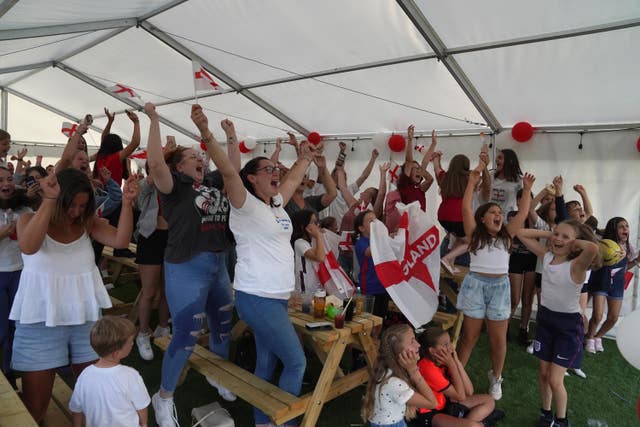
(408, 265)
(202, 80)
(332, 277)
(394, 173)
(346, 241)
(139, 155)
(68, 129)
(362, 206)
(419, 148)
(123, 91)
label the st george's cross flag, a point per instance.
(202, 80)
(408, 265)
(123, 91)
(394, 172)
(68, 129)
(332, 277)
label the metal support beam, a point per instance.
(161, 9)
(91, 82)
(26, 67)
(576, 32)
(605, 127)
(416, 16)
(54, 30)
(183, 50)
(47, 107)
(4, 109)
(6, 5)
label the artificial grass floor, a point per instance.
(610, 392)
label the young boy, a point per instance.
(107, 393)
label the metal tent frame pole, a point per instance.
(188, 53)
(6, 5)
(4, 109)
(416, 16)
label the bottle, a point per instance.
(87, 120)
(359, 302)
(319, 299)
(485, 144)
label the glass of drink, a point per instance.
(339, 318)
(319, 299)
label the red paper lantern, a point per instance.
(638, 144)
(243, 148)
(522, 131)
(314, 138)
(397, 143)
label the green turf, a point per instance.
(609, 393)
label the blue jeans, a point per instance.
(275, 339)
(401, 423)
(196, 288)
(8, 287)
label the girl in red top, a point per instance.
(414, 181)
(457, 406)
(111, 153)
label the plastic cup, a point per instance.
(349, 309)
(307, 301)
(339, 319)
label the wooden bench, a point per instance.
(12, 410)
(120, 308)
(58, 413)
(279, 405)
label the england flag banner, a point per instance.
(408, 265)
(202, 80)
(332, 277)
(68, 129)
(123, 91)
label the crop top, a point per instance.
(492, 259)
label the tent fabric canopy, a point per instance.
(339, 68)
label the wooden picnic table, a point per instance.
(328, 345)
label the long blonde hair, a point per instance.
(390, 347)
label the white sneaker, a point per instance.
(165, 410)
(530, 348)
(143, 341)
(223, 392)
(162, 331)
(495, 386)
(590, 346)
(598, 344)
(579, 372)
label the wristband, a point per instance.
(231, 139)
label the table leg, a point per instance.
(324, 383)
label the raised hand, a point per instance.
(33, 190)
(50, 187)
(528, 180)
(384, 167)
(374, 154)
(557, 183)
(228, 127)
(150, 110)
(578, 188)
(110, 116)
(434, 137)
(342, 145)
(105, 174)
(320, 161)
(82, 128)
(131, 189)
(408, 360)
(199, 118)
(292, 139)
(132, 116)
(410, 132)
(313, 230)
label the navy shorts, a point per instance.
(559, 338)
(522, 263)
(151, 249)
(454, 227)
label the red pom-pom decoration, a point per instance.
(638, 144)
(314, 138)
(522, 131)
(203, 146)
(397, 143)
(243, 148)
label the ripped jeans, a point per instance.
(194, 288)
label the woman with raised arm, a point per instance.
(196, 277)
(61, 291)
(264, 275)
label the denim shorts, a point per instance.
(485, 297)
(37, 347)
(401, 423)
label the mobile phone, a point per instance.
(318, 326)
(171, 139)
(30, 181)
(87, 120)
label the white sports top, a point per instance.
(492, 259)
(60, 285)
(559, 292)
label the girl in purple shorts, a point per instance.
(559, 330)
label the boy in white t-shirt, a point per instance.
(108, 394)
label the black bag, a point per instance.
(246, 351)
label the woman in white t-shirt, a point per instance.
(506, 181)
(264, 275)
(307, 255)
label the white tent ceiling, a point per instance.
(343, 68)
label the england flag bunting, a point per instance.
(202, 80)
(123, 91)
(68, 129)
(394, 173)
(332, 277)
(408, 265)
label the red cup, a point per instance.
(339, 319)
